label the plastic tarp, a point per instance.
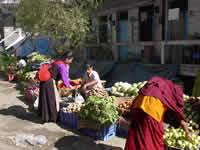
(42, 46)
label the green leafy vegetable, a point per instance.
(103, 112)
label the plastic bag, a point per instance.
(10, 77)
(36, 103)
(37, 140)
(31, 139)
(79, 98)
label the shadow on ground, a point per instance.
(21, 113)
(82, 143)
(26, 102)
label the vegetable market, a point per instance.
(103, 109)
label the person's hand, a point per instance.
(71, 87)
(189, 136)
(78, 86)
(84, 87)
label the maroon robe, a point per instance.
(145, 133)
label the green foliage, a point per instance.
(103, 112)
(66, 24)
(22, 73)
(6, 60)
(196, 88)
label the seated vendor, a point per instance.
(90, 80)
(22, 62)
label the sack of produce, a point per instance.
(124, 106)
(31, 91)
(64, 92)
(99, 92)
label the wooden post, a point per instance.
(162, 52)
(166, 19)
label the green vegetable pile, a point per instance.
(109, 99)
(126, 89)
(21, 72)
(30, 75)
(6, 60)
(185, 97)
(176, 138)
(39, 58)
(192, 112)
(103, 112)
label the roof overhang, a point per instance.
(122, 5)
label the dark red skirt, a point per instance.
(145, 133)
(47, 102)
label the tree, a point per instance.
(66, 23)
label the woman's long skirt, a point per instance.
(47, 102)
(145, 133)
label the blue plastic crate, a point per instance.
(62, 105)
(69, 119)
(122, 132)
(103, 134)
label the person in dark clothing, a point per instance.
(49, 98)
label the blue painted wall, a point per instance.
(123, 37)
(123, 31)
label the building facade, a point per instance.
(161, 31)
(147, 31)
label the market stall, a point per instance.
(106, 112)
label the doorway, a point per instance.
(122, 34)
(146, 14)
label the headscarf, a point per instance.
(167, 92)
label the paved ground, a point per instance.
(16, 119)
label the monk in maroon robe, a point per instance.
(155, 99)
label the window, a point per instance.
(182, 54)
(105, 29)
(145, 22)
(177, 20)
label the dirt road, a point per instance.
(17, 119)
